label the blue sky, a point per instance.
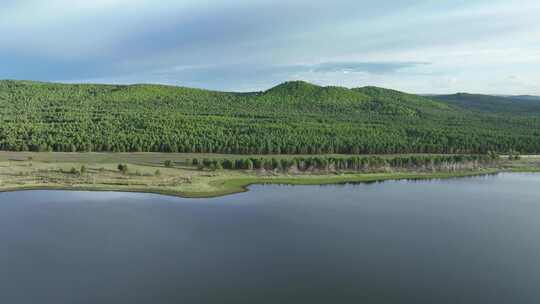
(437, 46)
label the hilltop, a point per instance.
(293, 117)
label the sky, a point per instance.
(425, 47)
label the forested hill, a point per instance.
(525, 105)
(526, 97)
(294, 117)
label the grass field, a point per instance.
(23, 170)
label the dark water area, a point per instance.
(469, 240)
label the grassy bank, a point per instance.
(146, 173)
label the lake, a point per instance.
(465, 240)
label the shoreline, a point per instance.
(240, 185)
(149, 173)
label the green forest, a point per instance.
(522, 105)
(291, 118)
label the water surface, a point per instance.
(468, 240)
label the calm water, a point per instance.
(472, 240)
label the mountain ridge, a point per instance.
(290, 83)
(519, 104)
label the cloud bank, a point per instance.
(412, 45)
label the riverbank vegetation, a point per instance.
(142, 173)
(352, 163)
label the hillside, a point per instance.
(293, 117)
(523, 105)
(527, 97)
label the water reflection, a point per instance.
(467, 240)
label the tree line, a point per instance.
(352, 163)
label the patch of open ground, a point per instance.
(146, 173)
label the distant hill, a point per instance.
(496, 104)
(293, 117)
(526, 97)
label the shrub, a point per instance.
(123, 168)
